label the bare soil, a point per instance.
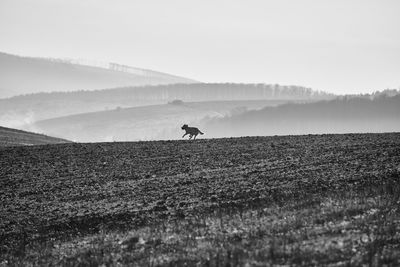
(252, 201)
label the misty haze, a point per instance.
(212, 133)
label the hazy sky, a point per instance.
(341, 46)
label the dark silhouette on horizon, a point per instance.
(191, 131)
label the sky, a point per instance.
(340, 46)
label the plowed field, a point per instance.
(301, 200)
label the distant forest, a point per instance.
(185, 92)
(379, 113)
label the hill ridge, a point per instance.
(16, 137)
(22, 75)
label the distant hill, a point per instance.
(20, 110)
(342, 115)
(26, 75)
(13, 137)
(143, 123)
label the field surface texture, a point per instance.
(328, 200)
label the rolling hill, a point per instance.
(18, 111)
(342, 115)
(13, 137)
(352, 114)
(26, 75)
(142, 123)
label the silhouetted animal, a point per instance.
(191, 131)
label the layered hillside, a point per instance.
(143, 123)
(21, 110)
(25, 75)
